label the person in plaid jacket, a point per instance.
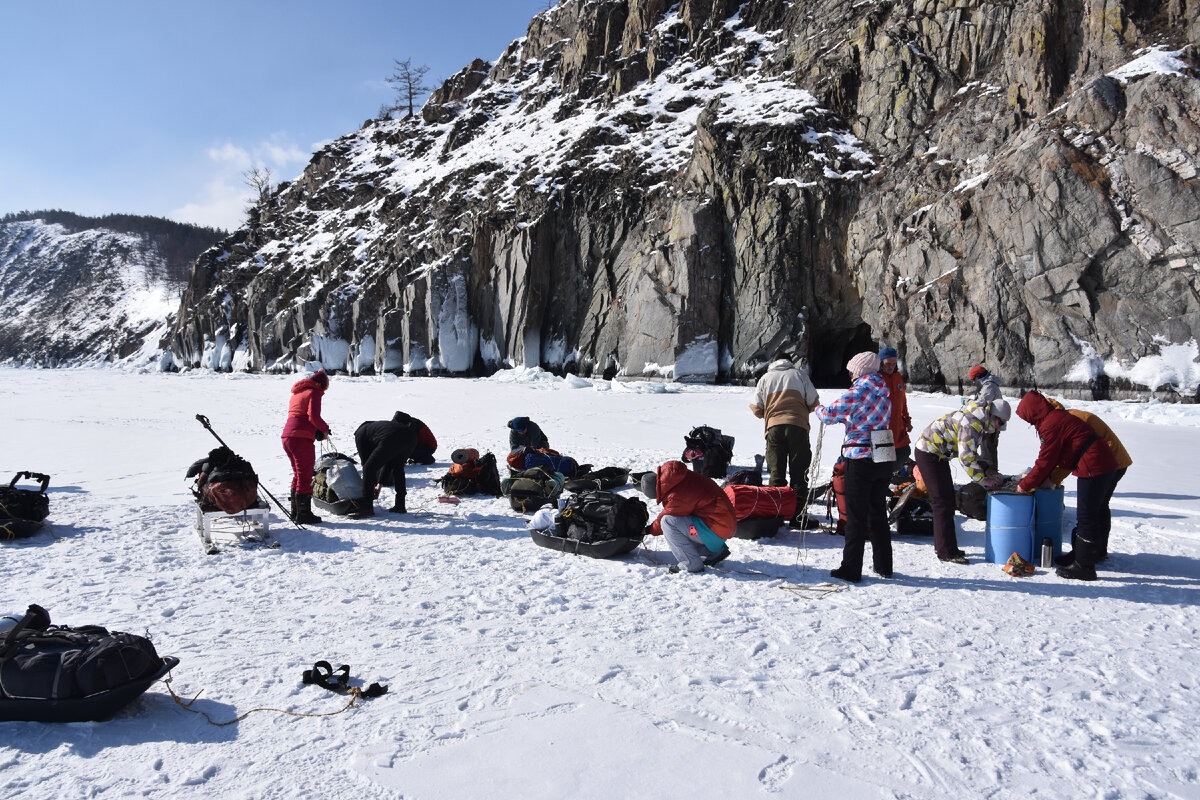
(864, 408)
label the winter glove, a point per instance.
(993, 482)
(320, 436)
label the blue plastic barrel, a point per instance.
(1009, 527)
(1048, 516)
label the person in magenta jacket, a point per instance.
(304, 426)
(1069, 443)
(697, 516)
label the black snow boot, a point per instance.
(364, 508)
(1083, 567)
(303, 510)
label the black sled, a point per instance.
(608, 548)
(761, 528)
(52, 673)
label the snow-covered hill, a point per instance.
(90, 294)
(519, 672)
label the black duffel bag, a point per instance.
(54, 672)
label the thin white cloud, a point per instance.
(224, 196)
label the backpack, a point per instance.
(971, 501)
(708, 451)
(533, 488)
(224, 480)
(22, 510)
(336, 478)
(915, 518)
(598, 516)
(475, 474)
(837, 494)
(603, 478)
(40, 661)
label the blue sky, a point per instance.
(158, 107)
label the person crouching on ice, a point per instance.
(696, 518)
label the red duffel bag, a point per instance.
(759, 502)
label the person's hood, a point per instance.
(669, 476)
(780, 365)
(306, 385)
(519, 424)
(1034, 408)
(400, 418)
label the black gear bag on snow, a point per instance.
(23, 510)
(53, 673)
(598, 524)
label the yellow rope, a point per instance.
(355, 695)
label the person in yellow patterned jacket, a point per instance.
(960, 434)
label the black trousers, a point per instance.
(1092, 516)
(866, 516)
(940, 485)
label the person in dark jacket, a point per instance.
(304, 426)
(864, 408)
(426, 442)
(524, 433)
(697, 516)
(1069, 443)
(383, 449)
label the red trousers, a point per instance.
(303, 455)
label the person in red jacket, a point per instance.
(900, 422)
(697, 516)
(304, 425)
(1069, 443)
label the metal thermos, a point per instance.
(1047, 552)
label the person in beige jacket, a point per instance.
(784, 398)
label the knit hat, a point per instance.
(863, 364)
(978, 371)
(1001, 409)
(648, 484)
(888, 352)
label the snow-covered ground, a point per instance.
(516, 671)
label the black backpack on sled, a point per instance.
(598, 524)
(54, 673)
(22, 510)
(708, 451)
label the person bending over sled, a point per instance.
(524, 433)
(304, 426)
(1068, 443)
(960, 434)
(697, 516)
(384, 448)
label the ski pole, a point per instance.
(203, 420)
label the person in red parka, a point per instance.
(697, 516)
(900, 422)
(1069, 443)
(304, 425)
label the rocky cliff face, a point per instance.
(79, 291)
(647, 188)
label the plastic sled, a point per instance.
(761, 528)
(18, 529)
(93, 708)
(342, 507)
(606, 549)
